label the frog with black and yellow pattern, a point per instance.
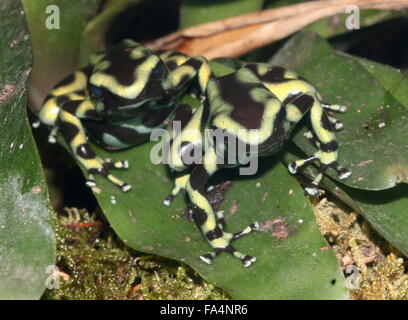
(128, 91)
(258, 104)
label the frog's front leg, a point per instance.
(182, 116)
(210, 223)
(69, 121)
(179, 184)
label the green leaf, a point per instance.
(272, 197)
(373, 143)
(193, 12)
(393, 80)
(27, 243)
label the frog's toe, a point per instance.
(254, 227)
(123, 164)
(126, 187)
(220, 219)
(246, 260)
(312, 189)
(103, 170)
(223, 244)
(179, 184)
(335, 107)
(294, 166)
(121, 184)
(338, 125)
(52, 138)
(208, 258)
(36, 124)
(171, 196)
(343, 173)
(169, 199)
(90, 182)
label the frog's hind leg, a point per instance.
(322, 137)
(210, 223)
(69, 120)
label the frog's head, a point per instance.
(130, 82)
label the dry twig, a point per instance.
(236, 36)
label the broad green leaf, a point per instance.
(300, 266)
(27, 243)
(373, 143)
(193, 12)
(391, 79)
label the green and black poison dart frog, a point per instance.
(128, 91)
(267, 101)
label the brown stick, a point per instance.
(235, 36)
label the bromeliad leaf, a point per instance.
(27, 243)
(272, 197)
(395, 81)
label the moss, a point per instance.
(94, 264)
(385, 281)
(375, 269)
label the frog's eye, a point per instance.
(158, 70)
(95, 91)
